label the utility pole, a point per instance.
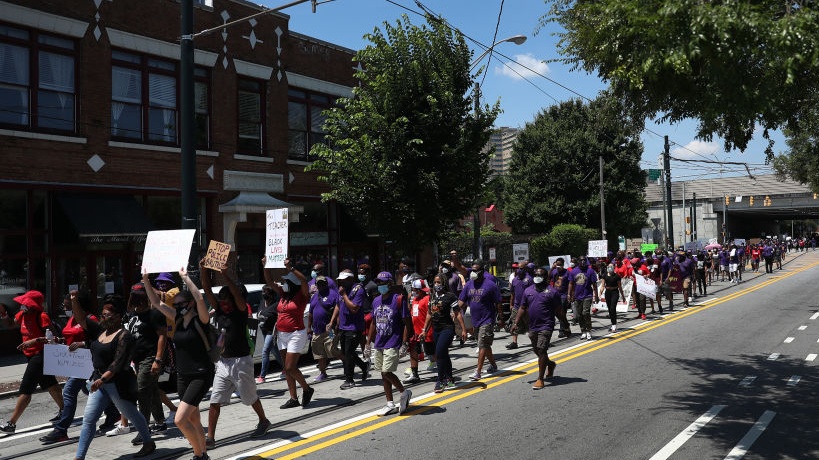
(667, 167)
(684, 220)
(694, 217)
(187, 132)
(476, 220)
(602, 202)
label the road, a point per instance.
(734, 377)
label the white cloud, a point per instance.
(701, 147)
(525, 66)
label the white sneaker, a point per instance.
(583, 336)
(405, 398)
(120, 430)
(408, 371)
(613, 328)
(388, 409)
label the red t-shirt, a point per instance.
(418, 311)
(291, 313)
(33, 324)
(73, 332)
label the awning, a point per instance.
(105, 218)
(259, 203)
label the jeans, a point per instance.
(442, 340)
(584, 307)
(148, 391)
(97, 401)
(268, 347)
(350, 340)
(71, 390)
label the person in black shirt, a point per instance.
(442, 315)
(267, 323)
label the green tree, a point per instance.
(564, 239)
(801, 162)
(404, 153)
(554, 174)
(733, 65)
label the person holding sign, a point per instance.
(194, 369)
(293, 297)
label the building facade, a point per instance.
(502, 140)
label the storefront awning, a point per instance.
(259, 203)
(105, 218)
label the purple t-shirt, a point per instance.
(518, 286)
(686, 268)
(311, 285)
(723, 258)
(584, 283)
(389, 314)
(347, 320)
(322, 309)
(482, 300)
(665, 267)
(541, 307)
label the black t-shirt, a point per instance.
(191, 355)
(143, 328)
(267, 317)
(441, 307)
(92, 330)
(612, 280)
(235, 326)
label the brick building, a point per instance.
(89, 138)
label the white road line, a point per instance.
(790, 339)
(794, 380)
(753, 434)
(802, 328)
(747, 381)
(687, 434)
(773, 357)
(815, 316)
(811, 357)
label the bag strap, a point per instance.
(201, 333)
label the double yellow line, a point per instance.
(366, 425)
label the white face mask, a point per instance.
(285, 287)
(444, 271)
(571, 265)
(537, 279)
(69, 313)
(473, 276)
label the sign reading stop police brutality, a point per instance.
(167, 250)
(598, 248)
(276, 241)
(217, 256)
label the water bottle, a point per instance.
(220, 342)
(49, 336)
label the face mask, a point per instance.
(182, 311)
(362, 278)
(611, 270)
(416, 293)
(439, 288)
(444, 270)
(473, 276)
(538, 280)
(383, 289)
(313, 274)
(69, 313)
(225, 306)
(571, 265)
(24, 309)
(286, 287)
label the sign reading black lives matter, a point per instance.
(276, 238)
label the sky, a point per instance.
(522, 91)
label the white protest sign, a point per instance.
(622, 305)
(520, 252)
(57, 360)
(646, 286)
(598, 248)
(566, 260)
(739, 241)
(167, 250)
(275, 248)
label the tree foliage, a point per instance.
(732, 64)
(554, 173)
(801, 162)
(403, 154)
(571, 239)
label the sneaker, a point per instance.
(439, 387)
(8, 427)
(388, 410)
(512, 346)
(119, 430)
(405, 399)
(412, 379)
(320, 378)
(432, 367)
(57, 417)
(583, 336)
(613, 328)
(491, 369)
(561, 334)
(137, 440)
(291, 403)
(204, 456)
(306, 396)
(171, 419)
(449, 385)
(210, 443)
(347, 385)
(261, 428)
(54, 436)
(408, 371)
(259, 379)
(147, 449)
(589, 336)
(157, 427)
(475, 376)
(538, 384)
(643, 316)
(105, 428)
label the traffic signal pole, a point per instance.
(670, 219)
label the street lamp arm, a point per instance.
(516, 39)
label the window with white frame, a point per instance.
(37, 80)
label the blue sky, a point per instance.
(345, 22)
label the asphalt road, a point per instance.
(732, 378)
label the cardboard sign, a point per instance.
(57, 360)
(598, 248)
(646, 286)
(167, 250)
(217, 256)
(566, 260)
(276, 243)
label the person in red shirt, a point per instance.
(33, 322)
(419, 306)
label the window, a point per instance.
(201, 99)
(37, 80)
(251, 117)
(305, 121)
(144, 99)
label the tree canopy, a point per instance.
(734, 65)
(404, 154)
(554, 173)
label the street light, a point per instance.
(477, 247)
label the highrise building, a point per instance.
(502, 140)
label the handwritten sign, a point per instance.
(646, 286)
(57, 360)
(646, 247)
(217, 256)
(167, 250)
(276, 238)
(598, 248)
(566, 260)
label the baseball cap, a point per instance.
(344, 275)
(384, 276)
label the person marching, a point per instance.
(612, 286)
(420, 340)
(520, 283)
(582, 284)
(350, 317)
(484, 301)
(267, 317)
(319, 326)
(443, 312)
(540, 304)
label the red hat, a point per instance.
(515, 265)
(31, 299)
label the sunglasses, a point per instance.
(180, 304)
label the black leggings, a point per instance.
(611, 303)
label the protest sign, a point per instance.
(674, 280)
(57, 360)
(646, 286)
(276, 241)
(167, 250)
(217, 256)
(645, 247)
(598, 248)
(520, 252)
(566, 260)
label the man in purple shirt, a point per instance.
(483, 298)
(686, 265)
(520, 282)
(350, 313)
(582, 290)
(319, 322)
(540, 303)
(559, 279)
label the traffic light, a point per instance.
(767, 201)
(727, 200)
(751, 200)
(815, 195)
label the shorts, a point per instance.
(540, 341)
(33, 376)
(486, 335)
(723, 268)
(687, 282)
(293, 342)
(234, 374)
(733, 267)
(193, 387)
(386, 360)
(523, 324)
(324, 347)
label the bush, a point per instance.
(564, 239)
